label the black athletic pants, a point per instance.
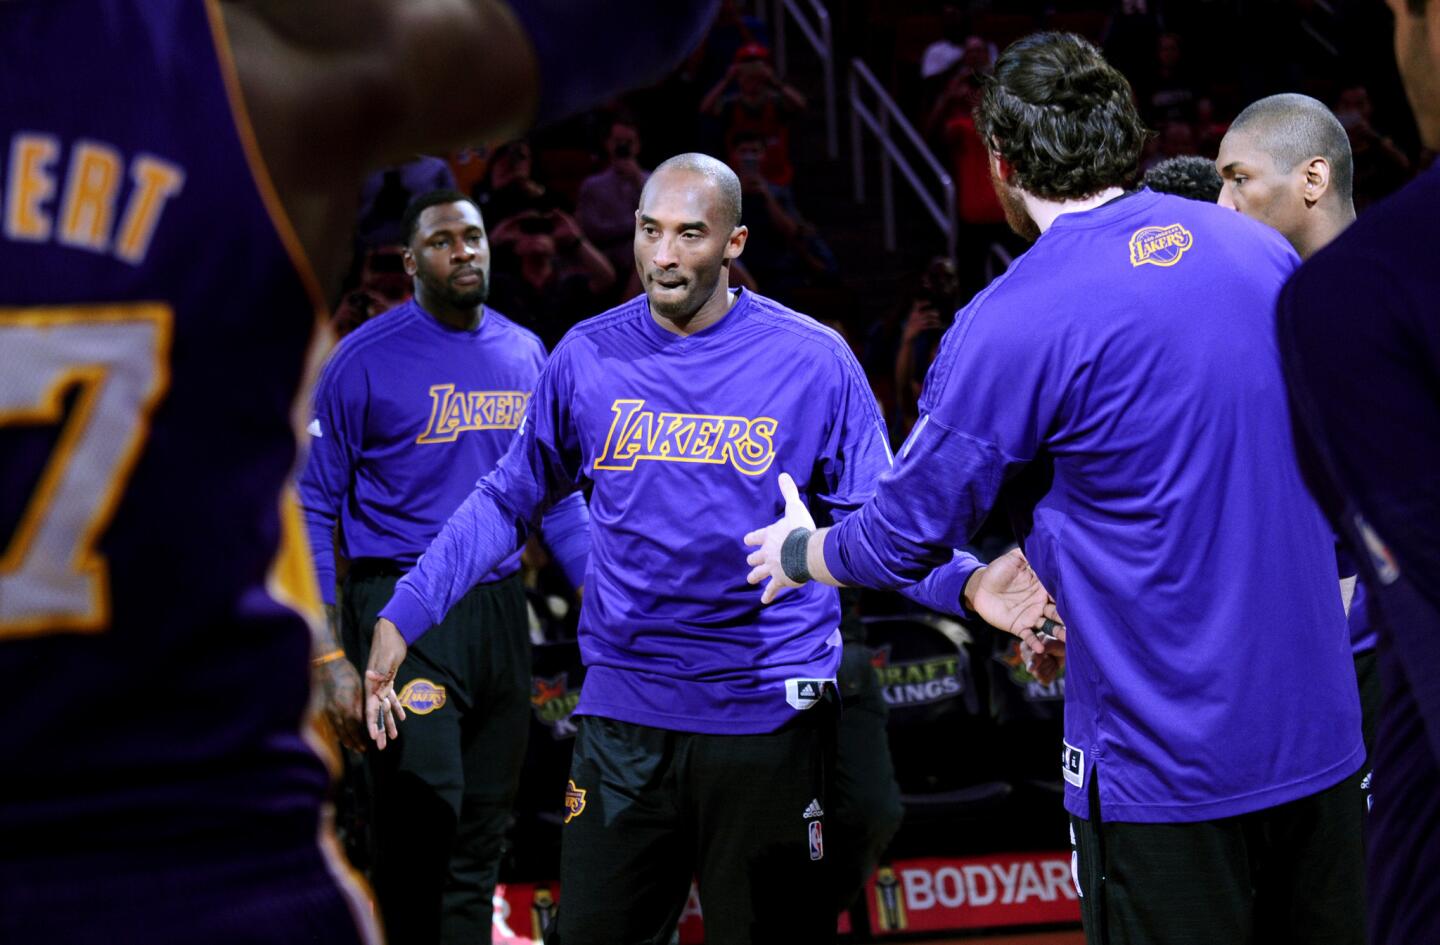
(865, 809)
(651, 809)
(1287, 875)
(443, 790)
(1367, 674)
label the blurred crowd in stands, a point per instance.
(559, 206)
(559, 210)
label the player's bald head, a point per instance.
(716, 175)
(1290, 128)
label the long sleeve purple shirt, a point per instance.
(408, 415)
(1129, 355)
(679, 441)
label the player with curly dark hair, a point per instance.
(1188, 175)
(1121, 382)
(1062, 122)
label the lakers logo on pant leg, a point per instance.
(422, 696)
(574, 802)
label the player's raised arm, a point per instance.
(853, 459)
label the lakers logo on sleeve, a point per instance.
(422, 696)
(638, 434)
(1159, 245)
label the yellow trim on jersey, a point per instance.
(291, 580)
(89, 377)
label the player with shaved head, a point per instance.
(707, 721)
(1286, 162)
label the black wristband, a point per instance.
(793, 555)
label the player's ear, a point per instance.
(1317, 180)
(736, 244)
(1001, 167)
(408, 258)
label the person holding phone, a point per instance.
(605, 205)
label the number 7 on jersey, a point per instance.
(116, 358)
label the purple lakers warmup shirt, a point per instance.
(679, 441)
(408, 414)
(156, 682)
(1124, 373)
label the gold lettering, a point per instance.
(156, 182)
(89, 205)
(31, 184)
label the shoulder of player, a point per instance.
(1391, 242)
(1008, 296)
(798, 327)
(1360, 266)
(1231, 226)
(521, 334)
(354, 348)
(611, 320)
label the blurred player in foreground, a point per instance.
(1360, 336)
(178, 193)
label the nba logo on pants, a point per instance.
(817, 841)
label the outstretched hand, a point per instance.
(382, 706)
(1010, 597)
(1046, 666)
(765, 561)
(339, 686)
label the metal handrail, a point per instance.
(881, 126)
(822, 40)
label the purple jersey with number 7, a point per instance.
(146, 402)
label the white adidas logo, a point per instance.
(814, 810)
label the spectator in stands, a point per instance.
(1380, 166)
(469, 166)
(731, 31)
(382, 284)
(961, 92)
(531, 283)
(1131, 37)
(783, 250)
(1209, 129)
(509, 189)
(1176, 139)
(751, 99)
(1189, 176)
(953, 46)
(607, 201)
(1168, 91)
(932, 308)
(981, 217)
(386, 193)
(355, 309)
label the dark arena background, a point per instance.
(153, 777)
(869, 204)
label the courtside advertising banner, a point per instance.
(524, 910)
(1003, 889)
